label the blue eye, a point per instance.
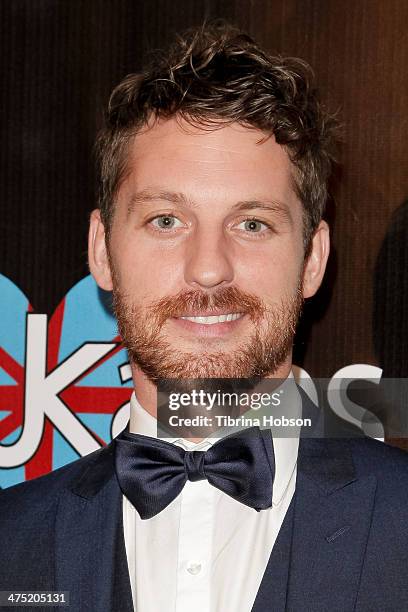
(253, 226)
(164, 222)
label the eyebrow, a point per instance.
(147, 195)
(274, 206)
(173, 197)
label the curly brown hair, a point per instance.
(215, 75)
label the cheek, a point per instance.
(271, 273)
(143, 273)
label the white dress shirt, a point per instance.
(205, 552)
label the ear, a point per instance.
(315, 264)
(97, 252)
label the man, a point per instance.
(214, 165)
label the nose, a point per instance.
(208, 262)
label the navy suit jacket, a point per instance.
(348, 546)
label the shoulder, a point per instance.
(369, 456)
(40, 494)
(389, 465)
(378, 457)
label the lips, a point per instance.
(213, 319)
(209, 325)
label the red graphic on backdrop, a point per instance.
(79, 399)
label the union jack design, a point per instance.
(83, 354)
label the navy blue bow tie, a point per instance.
(152, 472)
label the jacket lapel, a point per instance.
(90, 550)
(272, 591)
(317, 559)
(331, 524)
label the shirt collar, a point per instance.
(142, 422)
(285, 449)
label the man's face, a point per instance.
(206, 256)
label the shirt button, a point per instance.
(194, 568)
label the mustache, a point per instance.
(230, 299)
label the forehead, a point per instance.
(231, 162)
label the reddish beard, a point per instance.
(258, 356)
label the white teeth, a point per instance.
(214, 319)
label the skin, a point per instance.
(210, 244)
